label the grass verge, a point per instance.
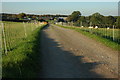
(23, 62)
(105, 41)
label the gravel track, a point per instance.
(69, 54)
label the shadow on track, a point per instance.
(58, 63)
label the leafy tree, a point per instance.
(82, 18)
(74, 16)
(21, 15)
(14, 16)
(97, 19)
(109, 20)
(118, 22)
(82, 21)
(33, 17)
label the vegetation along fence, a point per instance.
(14, 33)
(111, 33)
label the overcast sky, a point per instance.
(86, 8)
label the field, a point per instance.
(20, 48)
(15, 33)
(109, 37)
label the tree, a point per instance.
(82, 18)
(97, 19)
(33, 17)
(118, 22)
(110, 20)
(82, 21)
(21, 15)
(74, 16)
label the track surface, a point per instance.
(69, 54)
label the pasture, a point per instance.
(20, 48)
(110, 34)
(15, 33)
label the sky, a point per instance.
(60, 0)
(86, 8)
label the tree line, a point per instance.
(76, 18)
(95, 19)
(27, 17)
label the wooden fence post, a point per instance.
(4, 40)
(25, 29)
(113, 33)
(1, 51)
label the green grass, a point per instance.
(23, 61)
(15, 33)
(106, 41)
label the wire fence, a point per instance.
(112, 33)
(14, 33)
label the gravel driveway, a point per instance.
(69, 54)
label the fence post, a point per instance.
(25, 29)
(107, 33)
(81, 24)
(113, 33)
(1, 38)
(1, 51)
(5, 45)
(31, 26)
